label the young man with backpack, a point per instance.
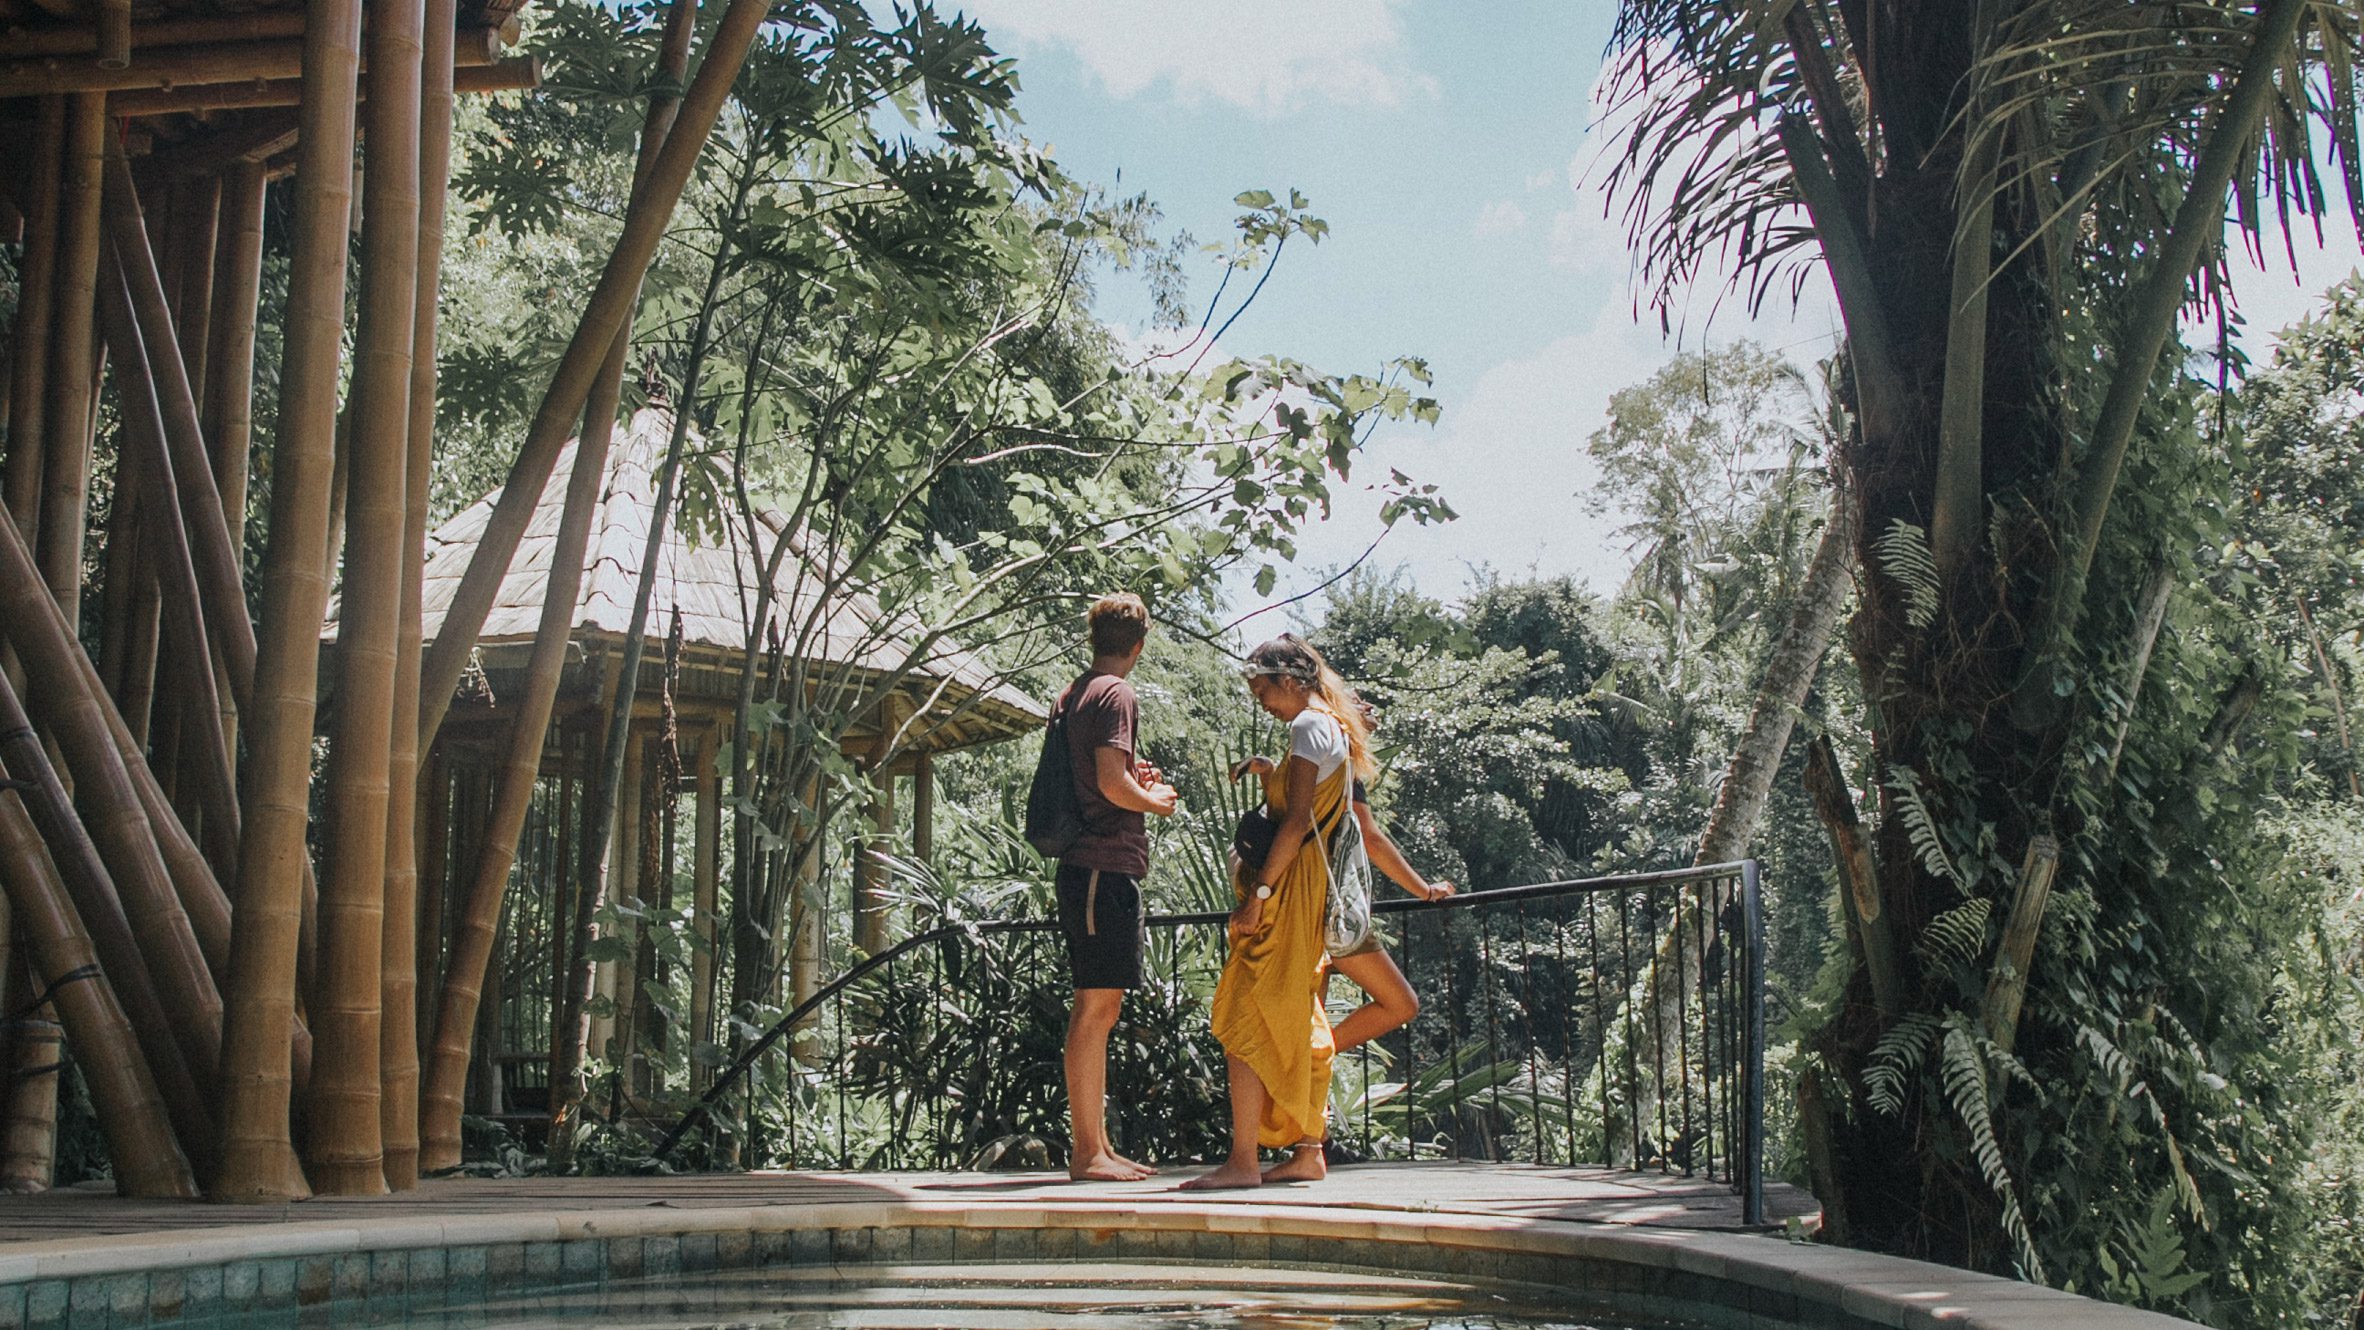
(1090, 792)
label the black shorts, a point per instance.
(1100, 914)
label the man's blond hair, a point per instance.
(1118, 623)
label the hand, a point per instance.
(1246, 919)
(1438, 890)
(1254, 766)
(1163, 800)
(1147, 774)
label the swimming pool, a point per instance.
(1111, 1296)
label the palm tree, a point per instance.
(2015, 201)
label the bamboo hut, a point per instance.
(946, 699)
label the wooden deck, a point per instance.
(1507, 1190)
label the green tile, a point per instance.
(168, 1298)
(810, 1246)
(624, 1258)
(774, 1247)
(850, 1246)
(734, 1250)
(127, 1299)
(1054, 1244)
(46, 1302)
(348, 1277)
(698, 1252)
(541, 1263)
(314, 1282)
(429, 1268)
(504, 1263)
(661, 1255)
(87, 1303)
(891, 1246)
(583, 1262)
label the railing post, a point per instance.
(1752, 1158)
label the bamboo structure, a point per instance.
(258, 1158)
(67, 412)
(36, 302)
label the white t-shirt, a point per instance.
(1317, 737)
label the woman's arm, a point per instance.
(1388, 858)
(1289, 838)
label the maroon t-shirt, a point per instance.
(1102, 713)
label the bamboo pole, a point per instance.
(604, 317)
(435, 855)
(63, 688)
(145, 454)
(510, 74)
(214, 556)
(68, 411)
(228, 421)
(345, 1149)
(114, 34)
(190, 66)
(29, 356)
(195, 217)
(705, 898)
(98, 912)
(480, 911)
(131, 1112)
(258, 1162)
(398, 1050)
(28, 1143)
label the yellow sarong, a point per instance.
(1268, 1007)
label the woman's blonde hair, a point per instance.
(1292, 657)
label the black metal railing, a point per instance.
(1615, 1021)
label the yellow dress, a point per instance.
(1268, 1008)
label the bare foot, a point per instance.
(1145, 1170)
(1106, 1168)
(1304, 1164)
(1230, 1177)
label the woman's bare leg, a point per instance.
(1247, 1111)
(1392, 1006)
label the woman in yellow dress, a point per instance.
(1268, 1009)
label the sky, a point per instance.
(1450, 147)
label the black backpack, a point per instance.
(1054, 815)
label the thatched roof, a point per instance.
(710, 585)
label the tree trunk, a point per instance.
(258, 1160)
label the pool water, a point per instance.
(1007, 1297)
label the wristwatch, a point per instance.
(1264, 891)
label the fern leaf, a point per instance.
(1896, 1059)
(1920, 825)
(1909, 562)
(1956, 937)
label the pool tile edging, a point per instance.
(1760, 1280)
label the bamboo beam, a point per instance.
(228, 420)
(191, 66)
(509, 74)
(258, 1162)
(254, 139)
(82, 38)
(195, 215)
(113, 34)
(36, 307)
(2006, 987)
(97, 912)
(65, 450)
(923, 807)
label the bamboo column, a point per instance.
(345, 1149)
(870, 865)
(228, 418)
(398, 1050)
(258, 1162)
(704, 900)
(70, 406)
(611, 1032)
(29, 352)
(923, 808)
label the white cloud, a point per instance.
(2272, 297)
(1263, 57)
(1584, 240)
(1501, 218)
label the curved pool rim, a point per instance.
(1743, 1280)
